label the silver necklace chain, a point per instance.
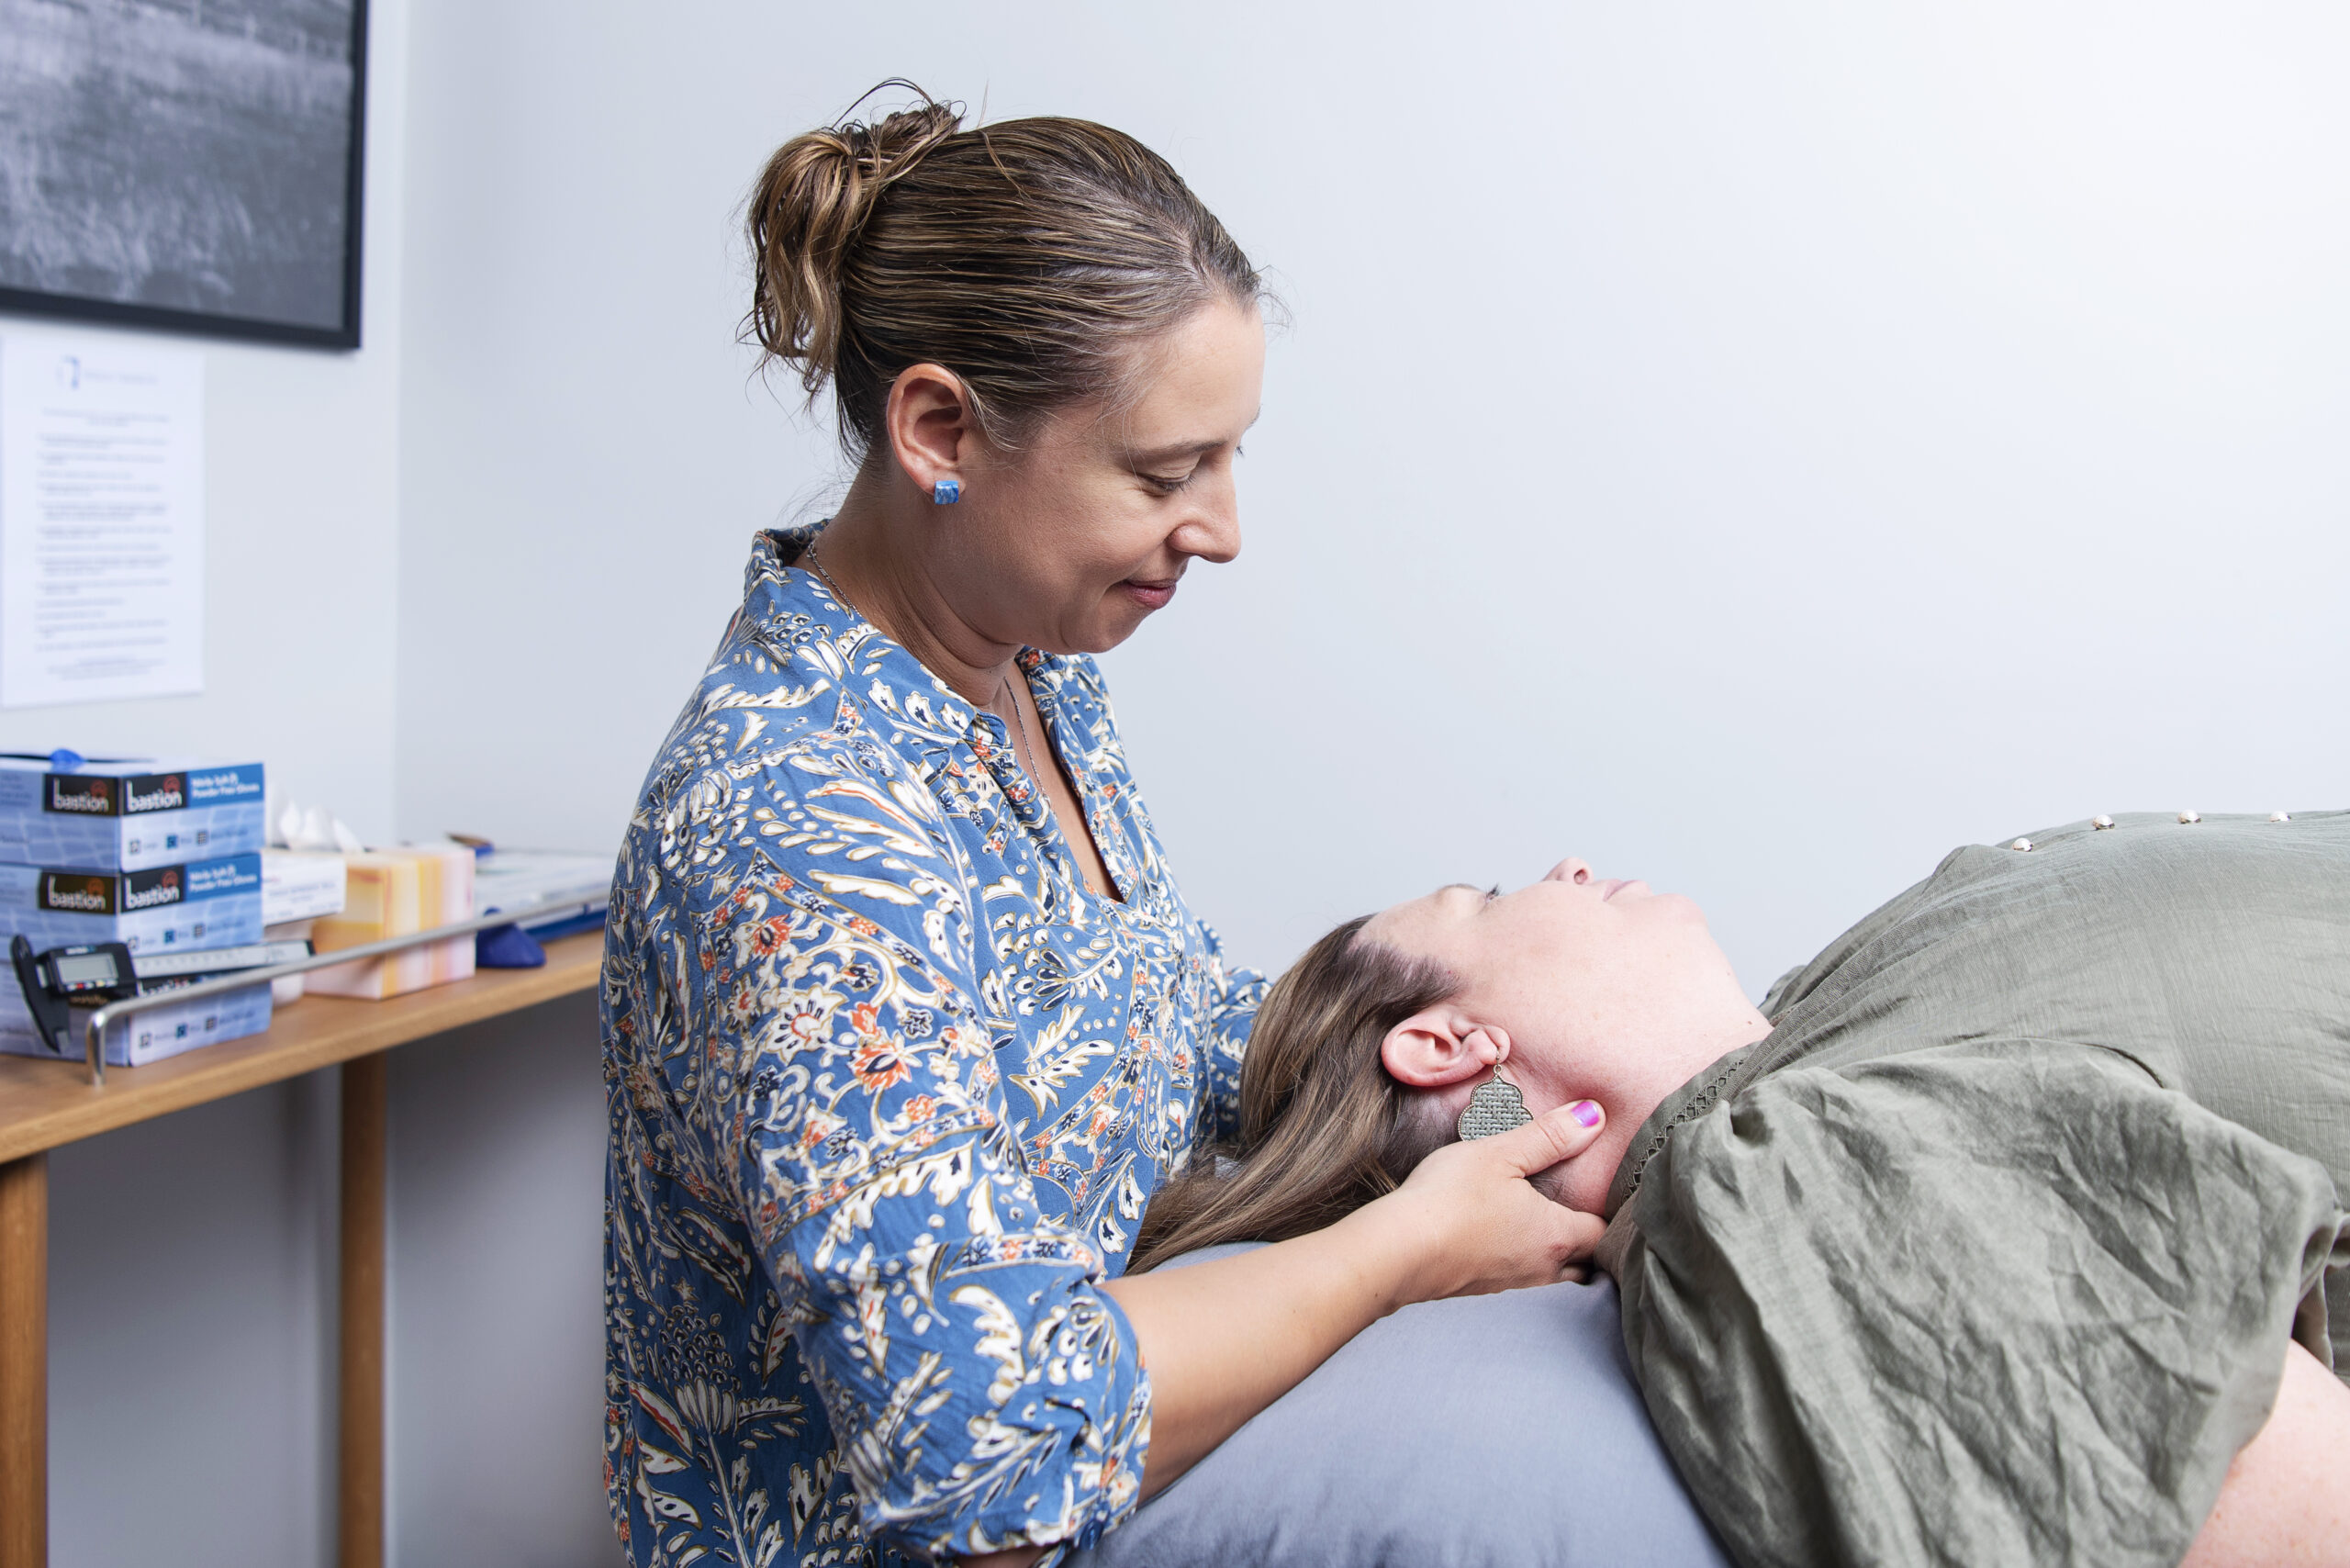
(1027, 747)
(1021, 719)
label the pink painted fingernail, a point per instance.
(1586, 1112)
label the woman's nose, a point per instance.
(1569, 871)
(1214, 536)
(1212, 532)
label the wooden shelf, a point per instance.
(45, 1101)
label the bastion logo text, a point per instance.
(76, 895)
(84, 793)
(155, 792)
(146, 890)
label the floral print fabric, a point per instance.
(889, 1087)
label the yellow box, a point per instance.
(398, 892)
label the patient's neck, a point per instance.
(1632, 1081)
(1690, 1056)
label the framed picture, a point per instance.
(190, 164)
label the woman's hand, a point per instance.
(1224, 1340)
(1478, 1222)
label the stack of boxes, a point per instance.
(155, 855)
(298, 888)
(169, 857)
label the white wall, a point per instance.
(301, 537)
(497, 1331)
(1755, 452)
(191, 1324)
(583, 461)
(192, 1260)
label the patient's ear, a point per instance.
(1440, 1045)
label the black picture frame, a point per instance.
(343, 332)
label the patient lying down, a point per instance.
(2006, 1230)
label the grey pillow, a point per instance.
(1498, 1429)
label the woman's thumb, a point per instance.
(1554, 1135)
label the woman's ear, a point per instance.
(1440, 1045)
(929, 424)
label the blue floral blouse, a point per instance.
(889, 1087)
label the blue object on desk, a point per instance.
(571, 925)
(507, 947)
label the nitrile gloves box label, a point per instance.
(144, 1037)
(206, 903)
(127, 816)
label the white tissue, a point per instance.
(313, 828)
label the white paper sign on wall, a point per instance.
(101, 519)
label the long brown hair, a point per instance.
(1323, 1129)
(1032, 258)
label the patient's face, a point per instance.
(1606, 989)
(1574, 945)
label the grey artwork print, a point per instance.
(188, 163)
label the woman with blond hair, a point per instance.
(905, 1018)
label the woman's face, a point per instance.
(1573, 952)
(1068, 543)
(1595, 988)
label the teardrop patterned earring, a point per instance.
(1495, 1107)
(947, 492)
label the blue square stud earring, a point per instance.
(947, 492)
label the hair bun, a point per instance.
(1031, 261)
(811, 201)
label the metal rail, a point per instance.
(97, 1037)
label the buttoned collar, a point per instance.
(794, 607)
(791, 609)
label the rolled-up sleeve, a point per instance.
(984, 1393)
(1233, 996)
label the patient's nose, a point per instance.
(1569, 871)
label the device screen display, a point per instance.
(85, 969)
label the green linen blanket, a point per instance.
(1990, 1252)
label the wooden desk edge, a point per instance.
(44, 1103)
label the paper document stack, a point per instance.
(545, 891)
(298, 888)
(299, 885)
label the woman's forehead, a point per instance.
(1203, 378)
(1397, 924)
